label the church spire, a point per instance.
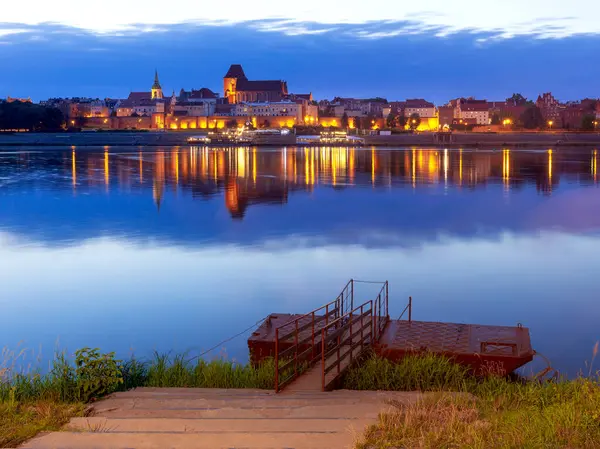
(157, 92)
(156, 84)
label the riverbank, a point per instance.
(464, 411)
(179, 138)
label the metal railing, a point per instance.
(380, 311)
(407, 308)
(297, 342)
(341, 338)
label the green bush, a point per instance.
(97, 374)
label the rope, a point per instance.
(229, 339)
(547, 370)
(369, 282)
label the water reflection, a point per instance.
(154, 243)
(250, 176)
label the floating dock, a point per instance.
(319, 346)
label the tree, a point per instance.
(401, 119)
(231, 124)
(345, 120)
(134, 114)
(532, 118)
(266, 124)
(391, 120)
(517, 100)
(414, 121)
(496, 120)
(357, 123)
(18, 115)
(588, 122)
(370, 121)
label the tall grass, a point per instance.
(166, 371)
(60, 383)
(489, 412)
(423, 373)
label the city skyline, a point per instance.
(353, 51)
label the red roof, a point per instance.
(202, 93)
(418, 103)
(261, 86)
(474, 105)
(235, 71)
(137, 96)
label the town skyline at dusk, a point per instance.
(356, 51)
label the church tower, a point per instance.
(157, 92)
(230, 81)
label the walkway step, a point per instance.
(218, 440)
(198, 419)
(318, 411)
(203, 425)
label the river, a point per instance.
(178, 248)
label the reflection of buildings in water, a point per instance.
(249, 176)
(241, 194)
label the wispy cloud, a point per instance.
(502, 19)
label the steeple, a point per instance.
(157, 92)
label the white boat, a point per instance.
(198, 139)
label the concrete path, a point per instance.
(213, 419)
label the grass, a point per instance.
(22, 421)
(465, 412)
(31, 402)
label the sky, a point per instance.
(396, 49)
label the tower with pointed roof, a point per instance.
(157, 92)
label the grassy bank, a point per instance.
(31, 402)
(465, 412)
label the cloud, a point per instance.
(504, 19)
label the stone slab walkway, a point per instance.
(212, 419)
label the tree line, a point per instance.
(29, 116)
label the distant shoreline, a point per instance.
(161, 139)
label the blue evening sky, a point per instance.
(384, 48)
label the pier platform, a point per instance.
(322, 344)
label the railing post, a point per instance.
(312, 352)
(352, 293)
(277, 360)
(296, 351)
(362, 328)
(351, 336)
(326, 314)
(338, 353)
(387, 304)
(372, 315)
(410, 309)
(323, 359)
(373, 318)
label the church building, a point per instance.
(238, 89)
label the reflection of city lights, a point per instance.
(241, 162)
(506, 166)
(106, 174)
(445, 167)
(373, 162)
(177, 167)
(414, 168)
(594, 164)
(460, 166)
(254, 165)
(550, 165)
(73, 169)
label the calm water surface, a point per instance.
(179, 248)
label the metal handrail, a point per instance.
(344, 335)
(380, 305)
(299, 360)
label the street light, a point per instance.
(550, 123)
